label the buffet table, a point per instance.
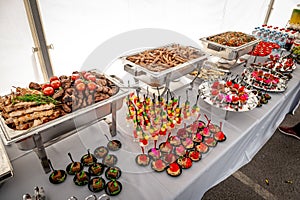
(246, 133)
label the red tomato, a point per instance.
(80, 86)
(75, 77)
(48, 91)
(45, 85)
(78, 81)
(55, 84)
(53, 78)
(92, 86)
(91, 77)
(86, 75)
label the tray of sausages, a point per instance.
(63, 104)
(158, 65)
(229, 45)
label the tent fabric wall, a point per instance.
(77, 27)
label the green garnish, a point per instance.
(296, 50)
(38, 98)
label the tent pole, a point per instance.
(38, 35)
(270, 8)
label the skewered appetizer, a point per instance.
(185, 162)
(142, 159)
(175, 140)
(110, 160)
(210, 141)
(180, 150)
(158, 165)
(88, 159)
(154, 153)
(96, 169)
(174, 169)
(202, 148)
(114, 145)
(81, 178)
(194, 155)
(165, 147)
(187, 143)
(113, 173)
(113, 188)
(96, 184)
(74, 168)
(169, 158)
(101, 152)
(57, 176)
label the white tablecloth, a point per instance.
(246, 133)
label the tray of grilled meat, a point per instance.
(229, 45)
(156, 66)
(52, 109)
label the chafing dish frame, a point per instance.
(53, 131)
(227, 52)
(157, 79)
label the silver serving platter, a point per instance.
(64, 124)
(157, 79)
(251, 103)
(248, 79)
(227, 52)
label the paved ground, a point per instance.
(274, 173)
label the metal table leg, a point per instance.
(41, 152)
(226, 114)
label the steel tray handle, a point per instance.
(215, 47)
(116, 78)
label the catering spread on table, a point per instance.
(171, 131)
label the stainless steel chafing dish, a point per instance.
(227, 52)
(6, 170)
(53, 131)
(159, 78)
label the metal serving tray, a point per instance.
(157, 79)
(227, 52)
(6, 170)
(70, 122)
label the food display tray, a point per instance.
(280, 87)
(227, 52)
(64, 124)
(250, 104)
(156, 79)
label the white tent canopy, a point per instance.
(77, 27)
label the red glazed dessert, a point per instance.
(202, 148)
(195, 155)
(185, 162)
(174, 169)
(158, 165)
(142, 160)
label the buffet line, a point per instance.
(170, 130)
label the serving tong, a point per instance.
(92, 197)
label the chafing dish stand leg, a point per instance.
(41, 152)
(167, 86)
(113, 128)
(112, 123)
(226, 114)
